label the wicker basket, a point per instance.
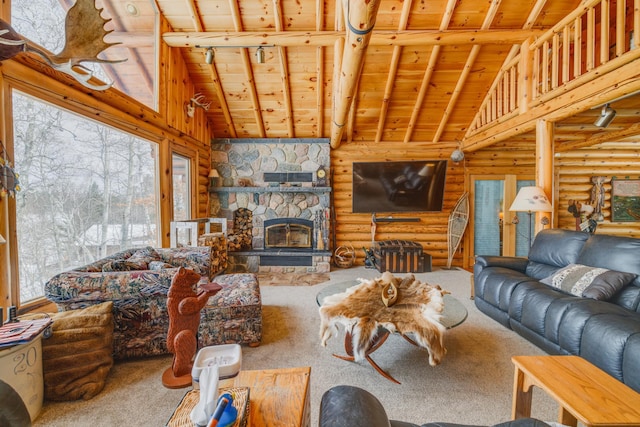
(344, 256)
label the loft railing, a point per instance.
(594, 39)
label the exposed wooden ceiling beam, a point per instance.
(328, 38)
(251, 83)
(471, 59)
(428, 72)
(393, 70)
(360, 17)
(284, 70)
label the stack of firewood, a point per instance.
(242, 236)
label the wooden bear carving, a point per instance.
(184, 305)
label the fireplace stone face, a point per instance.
(275, 179)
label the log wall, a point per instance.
(354, 229)
(574, 170)
(175, 90)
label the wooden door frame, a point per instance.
(509, 193)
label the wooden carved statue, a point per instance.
(184, 305)
(84, 41)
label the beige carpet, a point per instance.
(472, 385)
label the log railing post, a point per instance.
(525, 76)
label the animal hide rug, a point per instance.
(361, 311)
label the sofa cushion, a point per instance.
(557, 247)
(589, 282)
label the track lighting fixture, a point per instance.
(208, 57)
(260, 55)
(606, 116)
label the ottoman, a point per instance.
(234, 314)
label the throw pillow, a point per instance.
(589, 282)
(143, 257)
(79, 354)
(159, 265)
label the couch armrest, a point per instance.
(514, 263)
(350, 406)
(95, 287)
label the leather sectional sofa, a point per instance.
(350, 406)
(556, 299)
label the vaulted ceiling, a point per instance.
(383, 70)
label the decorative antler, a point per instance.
(196, 101)
(84, 41)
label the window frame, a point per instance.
(67, 98)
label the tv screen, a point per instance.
(399, 186)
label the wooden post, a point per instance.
(544, 164)
(360, 17)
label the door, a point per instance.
(493, 230)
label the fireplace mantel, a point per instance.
(279, 189)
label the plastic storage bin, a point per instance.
(228, 357)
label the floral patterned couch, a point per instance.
(137, 281)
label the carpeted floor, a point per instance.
(473, 384)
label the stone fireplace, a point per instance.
(275, 179)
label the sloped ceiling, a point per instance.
(425, 69)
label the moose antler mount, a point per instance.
(84, 41)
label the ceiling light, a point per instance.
(132, 9)
(260, 55)
(208, 57)
(606, 116)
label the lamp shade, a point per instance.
(531, 199)
(213, 173)
(2, 242)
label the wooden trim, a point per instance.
(441, 37)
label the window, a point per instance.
(87, 191)
(181, 178)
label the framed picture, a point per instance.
(625, 200)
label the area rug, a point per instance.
(292, 279)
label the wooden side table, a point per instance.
(583, 391)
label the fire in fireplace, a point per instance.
(288, 233)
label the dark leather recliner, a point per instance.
(350, 406)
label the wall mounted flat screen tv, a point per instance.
(398, 186)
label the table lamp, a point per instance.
(530, 199)
(213, 177)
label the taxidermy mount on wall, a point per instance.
(84, 41)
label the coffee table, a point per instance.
(454, 314)
(277, 397)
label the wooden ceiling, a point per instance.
(419, 76)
